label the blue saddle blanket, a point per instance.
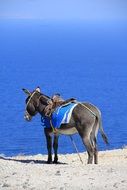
(60, 116)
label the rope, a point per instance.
(87, 108)
(54, 130)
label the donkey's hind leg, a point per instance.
(94, 143)
(89, 148)
(93, 137)
(55, 147)
(95, 154)
(85, 133)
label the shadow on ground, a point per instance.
(27, 161)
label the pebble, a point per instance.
(58, 173)
(5, 185)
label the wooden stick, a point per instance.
(76, 148)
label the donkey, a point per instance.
(85, 120)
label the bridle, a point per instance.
(41, 95)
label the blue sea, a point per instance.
(81, 59)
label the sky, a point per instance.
(64, 9)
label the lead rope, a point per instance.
(53, 129)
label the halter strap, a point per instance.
(30, 98)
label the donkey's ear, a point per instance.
(26, 92)
(38, 89)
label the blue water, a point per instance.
(84, 60)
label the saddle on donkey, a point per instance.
(58, 111)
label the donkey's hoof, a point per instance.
(49, 161)
(55, 162)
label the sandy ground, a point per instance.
(32, 172)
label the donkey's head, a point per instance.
(32, 103)
(35, 102)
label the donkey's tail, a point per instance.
(105, 138)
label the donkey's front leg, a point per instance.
(49, 145)
(55, 147)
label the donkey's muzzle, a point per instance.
(27, 116)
